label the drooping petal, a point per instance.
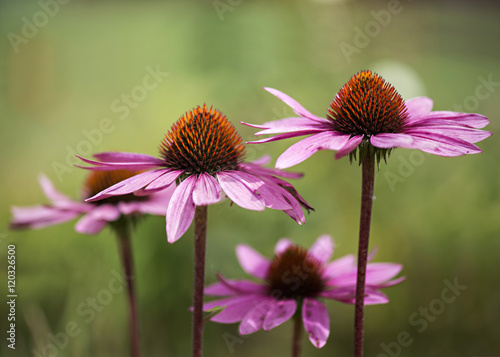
(253, 168)
(349, 146)
(59, 199)
(280, 312)
(236, 186)
(94, 221)
(316, 321)
(282, 245)
(128, 157)
(375, 297)
(391, 140)
(470, 120)
(444, 145)
(418, 107)
(274, 196)
(227, 287)
(107, 166)
(289, 125)
(129, 185)
(40, 216)
(163, 181)
(254, 319)
(292, 103)
(377, 273)
(304, 149)
(252, 262)
(235, 309)
(206, 190)
(322, 249)
(283, 136)
(180, 211)
(467, 134)
(345, 294)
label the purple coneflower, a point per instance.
(369, 112)
(94, 216)
(117, 212)
(293, 282)
(368, 115)
(202, 157)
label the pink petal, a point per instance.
(163, 181)
(94, 221)
(127, 157)
(389, 140)
(471, 120)
(237, 187)
(206, 190)
(235, 309)
(282, 245)
(129, 185)
(263, 160)
(292, 103)
(254, 319)
(467, 134)
(157, 203)
(269, 173)
(322, 249)
(274, 196)
(283, 136)
(289, 125)
(377, 273)
(280, 312)
(444, 145)
(351, 144)
(303, 149)
(344, 294)
(339, 267)
(230, 287)
(107, 166)
(375, 297)
(419, 106)
(181, 209)
(36, 217)
(252, 262)
(316, 321)
(51, 193)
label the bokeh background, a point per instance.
(73, 67)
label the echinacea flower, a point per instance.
(117, 212)
(94, 216)
(293, 282)
(202, 156)
(369, 114)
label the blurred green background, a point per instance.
(61, 76)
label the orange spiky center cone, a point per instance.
(202, 141)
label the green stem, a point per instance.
(368, 178)
(128, 264)
(200, 235)
(297, 332)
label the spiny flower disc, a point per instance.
(294, 274)
(98, 181)
(202, 141)
(368, 105)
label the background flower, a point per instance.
(96, 215)
(294, 278)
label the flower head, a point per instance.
(295, 278)
(95, 215)
(368, 115)
(202, 157)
